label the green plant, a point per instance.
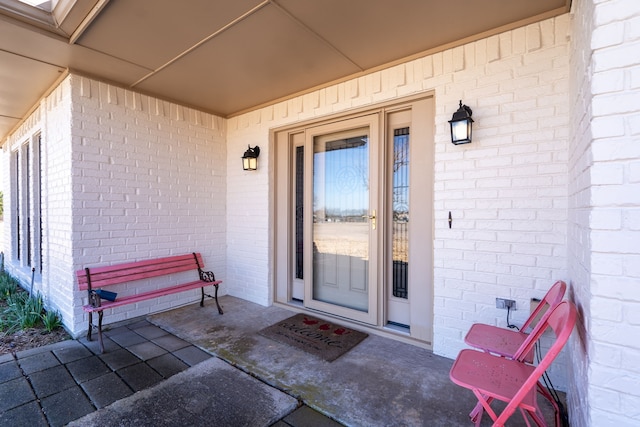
(8, 286)
(51, 320)
(23, 311)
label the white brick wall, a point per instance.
(604, 242)
(56, 202)
(51, 119)
(149, 180)
(507, 191)
(128, 177)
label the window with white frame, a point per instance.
(26, 191)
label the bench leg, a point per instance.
(216, 297)
(207, 295)
(90, 326)
(100, 331)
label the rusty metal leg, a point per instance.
(100, 331)
(216, 297)
(202, 299)
(90, 326)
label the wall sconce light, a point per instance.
(461, 125)
(250, 158)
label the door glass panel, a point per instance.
(400, 216)
(299, 218)
(340, 231)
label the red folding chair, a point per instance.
(512, 344)
(506, 342)
(494, 377)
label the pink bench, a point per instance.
(93, 280)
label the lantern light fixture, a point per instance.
(250, 158)
(461, 124)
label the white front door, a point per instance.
(354, 217)
(341, 224)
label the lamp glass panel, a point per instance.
(249, 163)
(459, 130)
(252, 163)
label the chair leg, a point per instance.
(545, 393)
(484, 405)
(537, 418)
(477, 411)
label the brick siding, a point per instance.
(604, 212)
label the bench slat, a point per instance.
(129, 272)
(106, 268)
(130, 299)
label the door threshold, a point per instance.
(398, 327)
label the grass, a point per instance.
(23, 311)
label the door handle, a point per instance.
(372, 217)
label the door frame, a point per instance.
(421, 328)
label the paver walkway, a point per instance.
(57, 384)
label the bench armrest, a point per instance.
(94, 299)
(206, 276)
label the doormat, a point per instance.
(318, 337)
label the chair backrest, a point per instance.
(549, 302)
(552, 298)
(561, 320)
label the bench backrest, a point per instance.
(122, 273)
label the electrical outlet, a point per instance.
(505, 303)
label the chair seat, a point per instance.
(493, 376)
(501, 341)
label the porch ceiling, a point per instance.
(227, 57)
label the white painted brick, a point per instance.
(608, 310)
(505, 44)
(616, 57)
(606, 219)
(629, 359)
(631, 266)
(534, 39)
(617, 103)
(607, 174)
(547, 33)
(492, 49)
(618, 149)
(612, 11)
(633, 123)
(608, 35)
(613, 195)
(634, 172)
(606, 127)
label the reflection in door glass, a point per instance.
(340, 219)
(400, 212)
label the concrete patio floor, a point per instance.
(380, 382)
(192, 366)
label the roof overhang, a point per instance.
(228, 57)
